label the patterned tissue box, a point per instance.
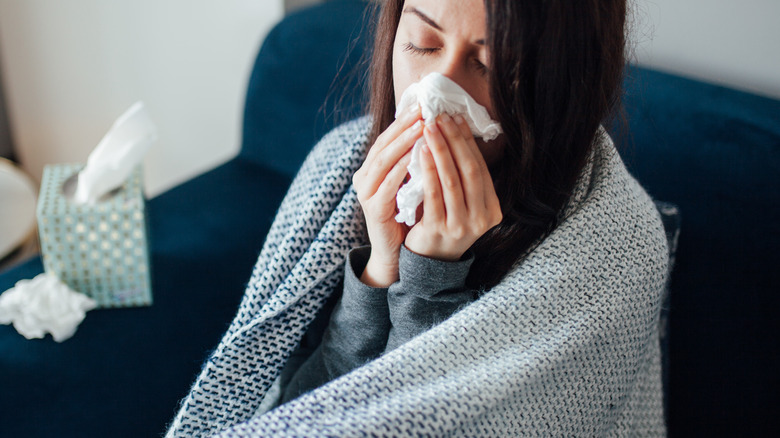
(102, 249)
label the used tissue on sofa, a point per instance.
(44, 305)
(436, 94)
(100, 247)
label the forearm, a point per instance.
(427, 293)
(360, 323)
(379, 274)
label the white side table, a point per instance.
(18, 197)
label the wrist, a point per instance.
(435, 253)
(379, 273)
(433, 274)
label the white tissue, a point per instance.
(121, 149)
(436, 94)
(44, 305)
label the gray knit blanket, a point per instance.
(566, 345)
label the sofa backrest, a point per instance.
(308, 67)
(715, 153)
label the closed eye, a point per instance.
(409, 47)
(481, 68)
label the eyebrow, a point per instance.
(432, 23)
(423, 17)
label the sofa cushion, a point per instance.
(125, 370)
(715, 153)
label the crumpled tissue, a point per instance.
(121, 149)
(436, 94)
(44, 305)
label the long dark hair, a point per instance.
(556, 68)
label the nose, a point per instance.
(455, 66)
(451, 66)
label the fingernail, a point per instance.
(458, 119)
(416, 125)
(445, 118)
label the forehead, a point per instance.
(464, 17)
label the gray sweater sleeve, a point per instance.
(357, 331)
(428, 292)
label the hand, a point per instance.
(460, 202)
(376, 183)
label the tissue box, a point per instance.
(100, 250)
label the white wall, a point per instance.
(728, 42)
(6, 148)
(71, 67)
(293, 5)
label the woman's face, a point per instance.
(448, 37)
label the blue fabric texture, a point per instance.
(125, 370)
(330, 40)
(715, 154)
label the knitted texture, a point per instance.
(566, 344)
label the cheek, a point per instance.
(405, 72)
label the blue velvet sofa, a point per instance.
(712, 151)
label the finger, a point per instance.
(433, 206)
(443, 137)
(376, 171)
(492, 202)
(406, 119)
(473, 168)
(465, 130)
(488, 195)
(389, 187)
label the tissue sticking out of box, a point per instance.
(436, 94)
(44, 305)
(121, 149)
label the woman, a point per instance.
(525, 299)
